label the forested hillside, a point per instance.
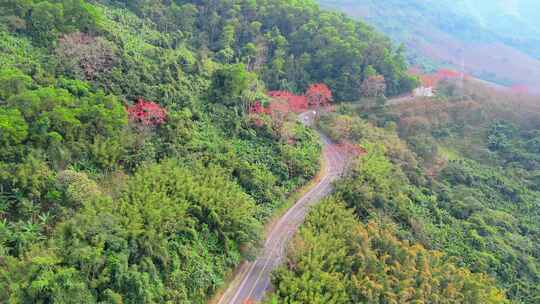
(336, 259)
(131, 169)
(145, 144)
(451, 179)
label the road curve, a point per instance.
(253, 280)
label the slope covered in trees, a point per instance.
(336, 259)
(481, 146)
(131, 168)
(457, 174)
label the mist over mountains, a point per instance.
(498, 41)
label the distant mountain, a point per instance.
(496, 40)
(516, 22)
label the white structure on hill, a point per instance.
(423, 92)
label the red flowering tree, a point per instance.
(147, 113)
(433, 80)
(297, 103)
(284, 102)
(447, 74)
(319, 95)
(256, 108)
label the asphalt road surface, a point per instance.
(253, 279)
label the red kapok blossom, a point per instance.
(297, 103)
(319, 95)
(256, 108)
(147, 113)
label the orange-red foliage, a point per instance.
(283, 102)
(432, 80)
(319, 95)
(278, 107)
(297, 103)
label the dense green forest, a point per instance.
(137, 166)
(336, 259)
(130, 171)
(457, 175)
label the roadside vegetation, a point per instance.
(453, 179)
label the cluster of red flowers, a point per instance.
(147, 113)
(434, 79)
(257, 108)
(317, 95)
(297, 103)
(280, 106)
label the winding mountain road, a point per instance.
(253, 279)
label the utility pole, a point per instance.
(462, 76)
